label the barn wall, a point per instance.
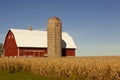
(34, 52)
(10, 47)
(40, 52)
(68, 52)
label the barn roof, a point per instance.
(37, 39)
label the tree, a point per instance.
(1, 48)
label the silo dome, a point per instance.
(54, 20)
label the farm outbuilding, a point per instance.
(20, 42)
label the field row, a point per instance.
(74, 68)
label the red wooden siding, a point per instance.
(68, 52)
(35, 52)
(40, 52)
(10, 47)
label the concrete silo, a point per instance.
(54, 37)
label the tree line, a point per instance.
(1, 48)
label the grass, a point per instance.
(6, 75)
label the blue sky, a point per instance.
(93, 24)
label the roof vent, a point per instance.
(30, 28)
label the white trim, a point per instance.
(34, 50)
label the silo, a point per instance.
(54, 37)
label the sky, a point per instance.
(93, 24)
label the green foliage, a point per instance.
(1, 48)
(6, 75)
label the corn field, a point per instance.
(67, 68)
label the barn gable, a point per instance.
(10, 46)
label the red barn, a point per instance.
(19, 42)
